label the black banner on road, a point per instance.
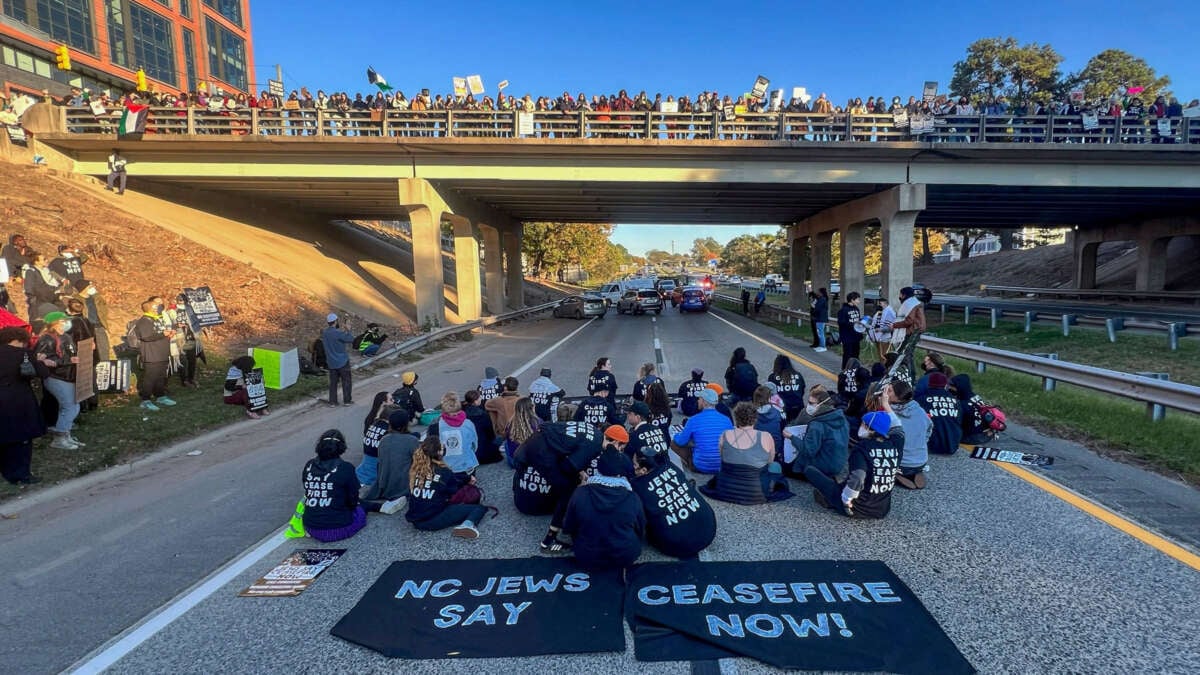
(202, 308)
(801, 615)
(436, 609)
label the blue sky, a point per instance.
(870, 48)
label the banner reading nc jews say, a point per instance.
(433, 609)
(802, 615)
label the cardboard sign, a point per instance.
(291, 105)
(802, 615)
(4, 278)
(256, 390)
(760, 87)
(460, 86)
(1077, 95)
(524, 124)
(436, 609)
(1164, 127)
(1191, 112)
(475, 84)
(900, 119)
(296, 573)
(930, 91)
(800, 93)
(1090, 121)
(16, 135)
(85, 387)
(776, 100)
(202, 308)
(112, 376)
(503, 85)
(275, 87)
(669, 106)
(97, 108)
(728, 114)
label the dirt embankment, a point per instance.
(1042, 267)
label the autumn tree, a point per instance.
(550, 247)
(705, 249)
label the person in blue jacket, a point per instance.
(604, 518)
(698, 444)
(945, 412)
(458, 437)
(825, 444)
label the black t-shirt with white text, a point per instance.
(679, 522)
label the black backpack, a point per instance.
(318, 354)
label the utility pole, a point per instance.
(278, 73)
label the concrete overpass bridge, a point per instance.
(488, 184)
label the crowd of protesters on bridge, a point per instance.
(362, 115)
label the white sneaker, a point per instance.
(63, 443)
(466, 531)
(76, 441)
(820, 349)
(393, 505)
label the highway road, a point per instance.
(1021, 580)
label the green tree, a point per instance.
(1002, 66)
(1114, 68)
(755, 255)
(549, 247)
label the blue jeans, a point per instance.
(371, 350)
(368, 470)
(830, 490)
(821, 333)
(68, 409)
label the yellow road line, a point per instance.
(1088, 506)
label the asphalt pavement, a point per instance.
(1019, 579)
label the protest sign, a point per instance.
(256, 391)
(900, 119)
(800, 93)
(460, 86)
(475, 84)
(97, 108)
(503, 85)
(802, 615)
(296, 573)
(930, 91)
(777, 100)
(760, 87)
(1090, 121)
(1164, 127)
(202, 308)
(1192, 112)
(4, 278)
(728, 113)
(85, 387)
(1076, 95)
(425, 609)
(669, 106)
(16, 135)
(112, 376)
(275, 87)
(524, 124)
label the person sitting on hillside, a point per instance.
(945, 412)
(489, 450)
(389, 492)
(431, 485)
(234, 392)
(369, 341)
(741, 377)
(749, 474)
(698, 443)
(679, 522)
(604, 518)
(407, 396)
(825, 442)
(874, 464)
(646, 377)
(689, 393)
(331, 508)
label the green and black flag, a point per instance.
(377, 80)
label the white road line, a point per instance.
(795, 357)
(116, 534)
(178, 607)
(657, 344)
(61, 560)
(535, 360)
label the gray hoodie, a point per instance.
(917, 429)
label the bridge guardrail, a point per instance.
(1004, 291)
(648, 125)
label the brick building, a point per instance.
(178, 43)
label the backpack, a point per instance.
(131, 337)
(993, 417)
(307, 367)
(318, 354)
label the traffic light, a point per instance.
(141, 80)
(62, 56)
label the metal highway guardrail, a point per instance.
(1081, 293)
(1152, 392)
(651, 125)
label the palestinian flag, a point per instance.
(133, 121)
(377, 80)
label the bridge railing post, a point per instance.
(383, 122)
(191, 121)
(849, 126)
(1117, 129)
(449, 123)
(781, 131)
(254, 121)
(582, 132)
(1049, 138)
(321, 121)
(715, 127)
(516, 124)
(982, 129)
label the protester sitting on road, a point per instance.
(945, 412)
(874, 463)
(725, 401)
(932, 363)
(458, 437)
(852, 388)
(604, 518)
(20, 419)
(698, 444)
(825, 443)
(917, 430)
(560, 453)
(523, 425)
(769, 419)
(234, 391)
(741, 377)
(597, 410)
(387, 495)
(331, 508)
(975, 431)
(644, 436)
(334, 340)
(546, 396)
(373, 433)
(660, 406)
(489, 386)
(679, 522)
(790, 386)
(646, 377)
(489, 447)
(689, 393)
(57, 351)
(502, 407)
(749, 474)
(407, 396)
(601, 379)
(431, 485)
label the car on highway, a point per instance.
(581, 307)
(693, 299)
(835, 286)
(665, 288)
(640, 302)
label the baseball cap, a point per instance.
(612, 463)
(545, 372)
(697, 372)
(331, 318)
(640, 408)
(709, 396)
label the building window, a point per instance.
(189, 60)
(153, 44)
(117, 47)
(164, 3)
(67, 21)
(16, 9)
(230, 9)
(185, 8)
(226, 54)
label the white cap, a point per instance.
(332, 317)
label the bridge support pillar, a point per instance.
(822, 259)
(428, 282)
(1152, 264)
(797, 272)
(512, 266)
(1085, 262)
(493, 268)
(853, 268)
(896, 230)
(466, 270)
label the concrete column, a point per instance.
(896, 230)
(1085, 263)
(822, 259)
(427, 265)
(466, 270)
(493, 262)
(512, 266)
(798, 272)
(1152, 264)
(854, 253)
